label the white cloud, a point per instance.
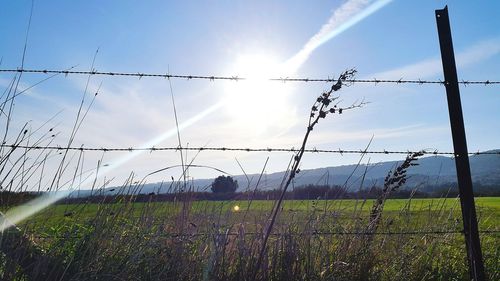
(431, 67)
(326, 137)
(25, 89)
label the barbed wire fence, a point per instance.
(236, 78)
(140, 75)
(241, 149)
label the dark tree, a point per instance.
(224, 184)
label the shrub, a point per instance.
(224, 184)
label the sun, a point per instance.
(256, 103)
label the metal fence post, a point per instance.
(472, 242)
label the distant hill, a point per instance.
(431, 171)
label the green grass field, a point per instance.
(417, 239)
(488, 209)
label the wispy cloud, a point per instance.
(349, 136)
(409, 131)
(431, 67)
(29, 90)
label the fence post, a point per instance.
(472, 243)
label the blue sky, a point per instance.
(256, 39)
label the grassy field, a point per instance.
(417, 239)
(488, 209)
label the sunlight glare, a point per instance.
(257, 104)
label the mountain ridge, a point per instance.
(431, 171)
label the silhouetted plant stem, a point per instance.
(319, 110)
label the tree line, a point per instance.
(308, 192)
(225, 188)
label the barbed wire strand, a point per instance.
(176, 148)
(237, 78)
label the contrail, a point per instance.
(347, 15)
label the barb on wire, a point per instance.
(243, 149)
(140, 75)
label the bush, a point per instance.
(224, 184)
